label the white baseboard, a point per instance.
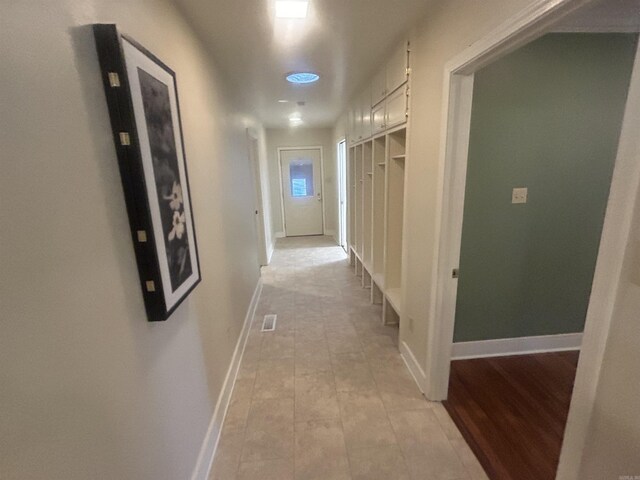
(516, 346)
(414, 367)
(210, 442)
(280, 235)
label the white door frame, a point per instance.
(529, 24)
(254, 164)
(342, 177)
(285, 149)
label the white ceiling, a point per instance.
(343, 40)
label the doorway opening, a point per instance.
(498, 216)
(301, 181)
(342, 193)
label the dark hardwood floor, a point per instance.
(512, 411)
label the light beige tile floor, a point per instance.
(327, 395)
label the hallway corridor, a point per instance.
(327, 396)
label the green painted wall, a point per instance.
(546, 117)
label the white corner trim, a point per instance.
(270, 250)
(280, 235)
(516, 346)
(412, 364)
(210, 442)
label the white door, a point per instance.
(302, 191)
(342, 189)
(257, 199)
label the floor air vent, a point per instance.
(269, 323)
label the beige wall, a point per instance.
(299, 137)
(90, 389)
(340, 128)
(265, 183)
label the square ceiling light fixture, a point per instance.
(292, 8)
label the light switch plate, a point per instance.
(519, 195)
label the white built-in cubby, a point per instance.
(396, 157)
(357, 203)
(377, 133)
(379, 195)
(376, 217)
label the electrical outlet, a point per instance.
(519, 195)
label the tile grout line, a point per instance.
(338, 403)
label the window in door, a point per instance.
(301, 175)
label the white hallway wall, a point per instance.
(90, 389)
(298, 137)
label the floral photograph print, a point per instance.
(157, 112)
(144, 111)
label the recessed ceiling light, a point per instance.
(295, 120)
(303, 77)
(291, 8)
(283, 101)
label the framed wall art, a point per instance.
(142, 99)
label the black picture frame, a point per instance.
(144, 111)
